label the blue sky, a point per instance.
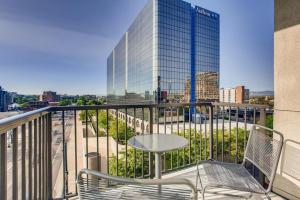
(63, 45)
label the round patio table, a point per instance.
(158, 144)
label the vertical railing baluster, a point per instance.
(46, 157)
(40, 157)
(171, 134)
(184, 135)
(75, 133)
(157, 132)
(254, 122)
(190, 135)
(151, 160)
(195, 133)
(97, 139)
(3, 165)
(200, 142)
(245, 128)
(165, 127)
(23, 166)
(223, 132)
(229, 139)
(15, 164)
(86, 140)
(30, 160)
(177, 134)
(165, 132)
(107, 141)
(126, 146)
(217, 132)
(211, 130)
(237, 135)
(64, 154)
(157, 120)
(49, 156)
(117, 146)
(134, 133)
(205, 135)
(35, 159)
(254, 115)
(143, 154)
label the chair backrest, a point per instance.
(263, 150)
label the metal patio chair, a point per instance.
(263, 151)
(103, 186)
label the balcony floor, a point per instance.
(190, 173)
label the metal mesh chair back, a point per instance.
(263, 150)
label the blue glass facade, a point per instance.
(169, 54)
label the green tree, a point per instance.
(24, 106)
(102, 119)
(90, 113)
(269, 121)
(65, 102)
(94, 102)
(120, 133)
(198, 149)
(81, 101)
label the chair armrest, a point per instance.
(168, 181)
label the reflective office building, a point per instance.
(170, 53)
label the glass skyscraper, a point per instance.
(170, 53)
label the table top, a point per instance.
(158, 143)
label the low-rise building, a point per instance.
(234, 95)
(33, 105)
(49, 96)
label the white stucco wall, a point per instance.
(287, 94)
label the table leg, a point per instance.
(158, 168)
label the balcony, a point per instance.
(42, 151)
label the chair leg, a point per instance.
(203, 193)
(267, 195)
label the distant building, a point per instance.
(234, 95)
(207, 87)
(33, 105)
(13, 96)
(170, 53)
(49, 96)
(5, 100)
(227, 95)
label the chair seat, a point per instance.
(227, 175)
(97, 189)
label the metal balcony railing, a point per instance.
(42, 151)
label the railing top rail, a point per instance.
(166, 105)
(241, 105)
(123, 106)
(17, 120)
(100, 107)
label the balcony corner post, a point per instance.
(262, 117)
